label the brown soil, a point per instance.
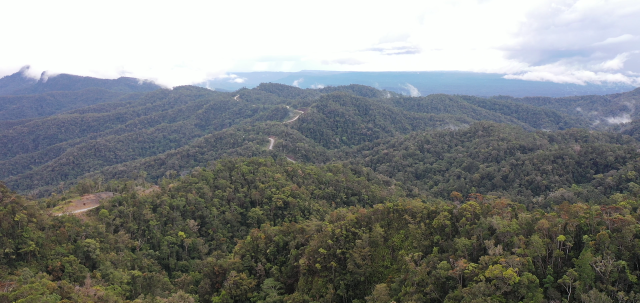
(86, 202)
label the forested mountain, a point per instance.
(126, 131)
(632, 129)
(15, 82)
(56, 149)
(22, 97)
(20, 84)
(602, 110)
(534, 117)
(494, 158)
(341, 119)
(338, 194)
(48, 104)
(241, 141)
(276, 231)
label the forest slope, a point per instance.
(255, 229)
(602, 111)
(390, 199)
(48, 104)
(134, 131)
(488, 157)
(20, 84)
(94, 141)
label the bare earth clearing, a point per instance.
(85, 203)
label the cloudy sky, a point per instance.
(186, 42)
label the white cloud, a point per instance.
(564, 71)
(624, 118)
(236, 79)
(232, 78)
(578, 41)
(580, 77)
(317, 86)
(615, 63)
(413, 91)
(296, 83)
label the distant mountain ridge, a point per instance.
(20, 84)
(15, 82)
(113, 131)
(423, 83)
(599, 110)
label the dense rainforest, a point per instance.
(264, 230)
(60, 145)
(339, 194)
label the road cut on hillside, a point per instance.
(296, 117)
(272, 141)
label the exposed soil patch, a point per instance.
(85, 203)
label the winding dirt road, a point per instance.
(296, 117)
(272, 142)
(272, 138)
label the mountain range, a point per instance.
(115, 131)
(418, 83)
(123, 191)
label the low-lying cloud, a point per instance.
(624, 118)
(413, 91)
(296, 83)
(232, 78)
(577, 76)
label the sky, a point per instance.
(187, 42)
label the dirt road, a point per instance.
(296, 117)
(272, 142)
